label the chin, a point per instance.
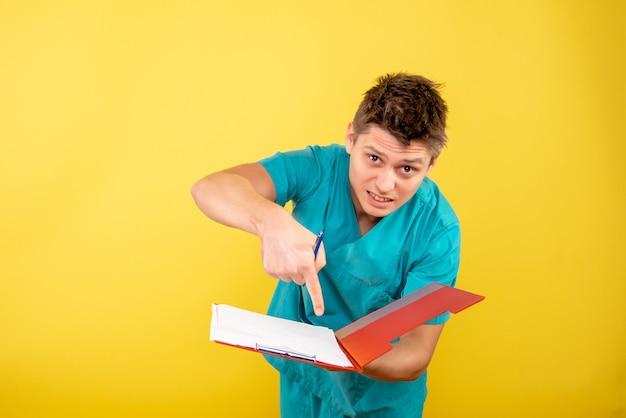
(379, 212)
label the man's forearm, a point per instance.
(409, 357)
(231, 200)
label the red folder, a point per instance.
(369, 337)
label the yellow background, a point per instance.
(110, 110)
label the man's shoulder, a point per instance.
(332, 151)
(429, 197)
(331, 159)
(329, 151)
(309, 156)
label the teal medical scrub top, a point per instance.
(415, 245)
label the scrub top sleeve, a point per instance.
(440, 264)
(295, 174)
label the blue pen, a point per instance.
(318, 242)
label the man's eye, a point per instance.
(407, 169)
(374, 158)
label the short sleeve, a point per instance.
(296, 174)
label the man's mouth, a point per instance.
(379, 198)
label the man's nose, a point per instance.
(385, 181)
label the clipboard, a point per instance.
(347, 349)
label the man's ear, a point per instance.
(349, 138)
(433, 162)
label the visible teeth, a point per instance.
(378, 198)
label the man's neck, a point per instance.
(366, 222)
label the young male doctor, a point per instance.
(388, 231)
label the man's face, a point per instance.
(384, 173)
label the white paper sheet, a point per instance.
(248, 329)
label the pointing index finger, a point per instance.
(312, 283)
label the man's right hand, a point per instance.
(244, 197)
(287, 250)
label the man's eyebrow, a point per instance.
(375, 151)
(416, 160)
